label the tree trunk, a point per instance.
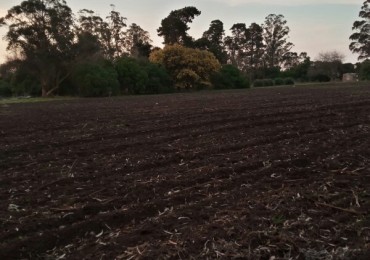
(45, 83)
(43, 92)
(44, 88)
(46, 92)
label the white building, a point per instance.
(347, 77)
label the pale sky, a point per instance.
(316, 25)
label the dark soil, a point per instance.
(261, 174)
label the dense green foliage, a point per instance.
(229, 77)
(60, 53)
(5, 89)
(365, 70)
(279, 81)
(22, 82)
(289, 81)
(132, 78)
(95, 80)
(142, 77)
(159, 81)
(42, 32)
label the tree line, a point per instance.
(54, 51)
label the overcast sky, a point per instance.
(316, 25)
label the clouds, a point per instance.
(3, 12)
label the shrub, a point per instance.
(268, 82)
(365, 70)
(188, 67)
(258, 83)
(289, 81)
(320, 78)
(67, 88)
(95, 80)
(241, 82)
(131, 76)
(279, 81)
(27, 86)
(18, 76)
(159, 81)
(263, 83)
(229, 77)
(5, 89)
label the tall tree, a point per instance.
(90, 22)
(215, 33)
(175, 26)
(109, 32)
(212, 40)
(361, 37)
(138, 41)
(87, 47)
(254, 49)
(41, 32)
(235, 45)
(114, 36)
(276, 40)
(245, 47)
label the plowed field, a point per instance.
(255, 174)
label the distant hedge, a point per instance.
(279, 81)
(289, 81)
(275, 82)
(320, 78)
(263, 83)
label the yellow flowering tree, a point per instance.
(188, 67)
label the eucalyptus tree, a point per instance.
(245, 47)
(361, 37)
(109, 32)
(255, 49)
(114, 36)
(236, 45)
(275, 35)
(137, 41)
(41, 33)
